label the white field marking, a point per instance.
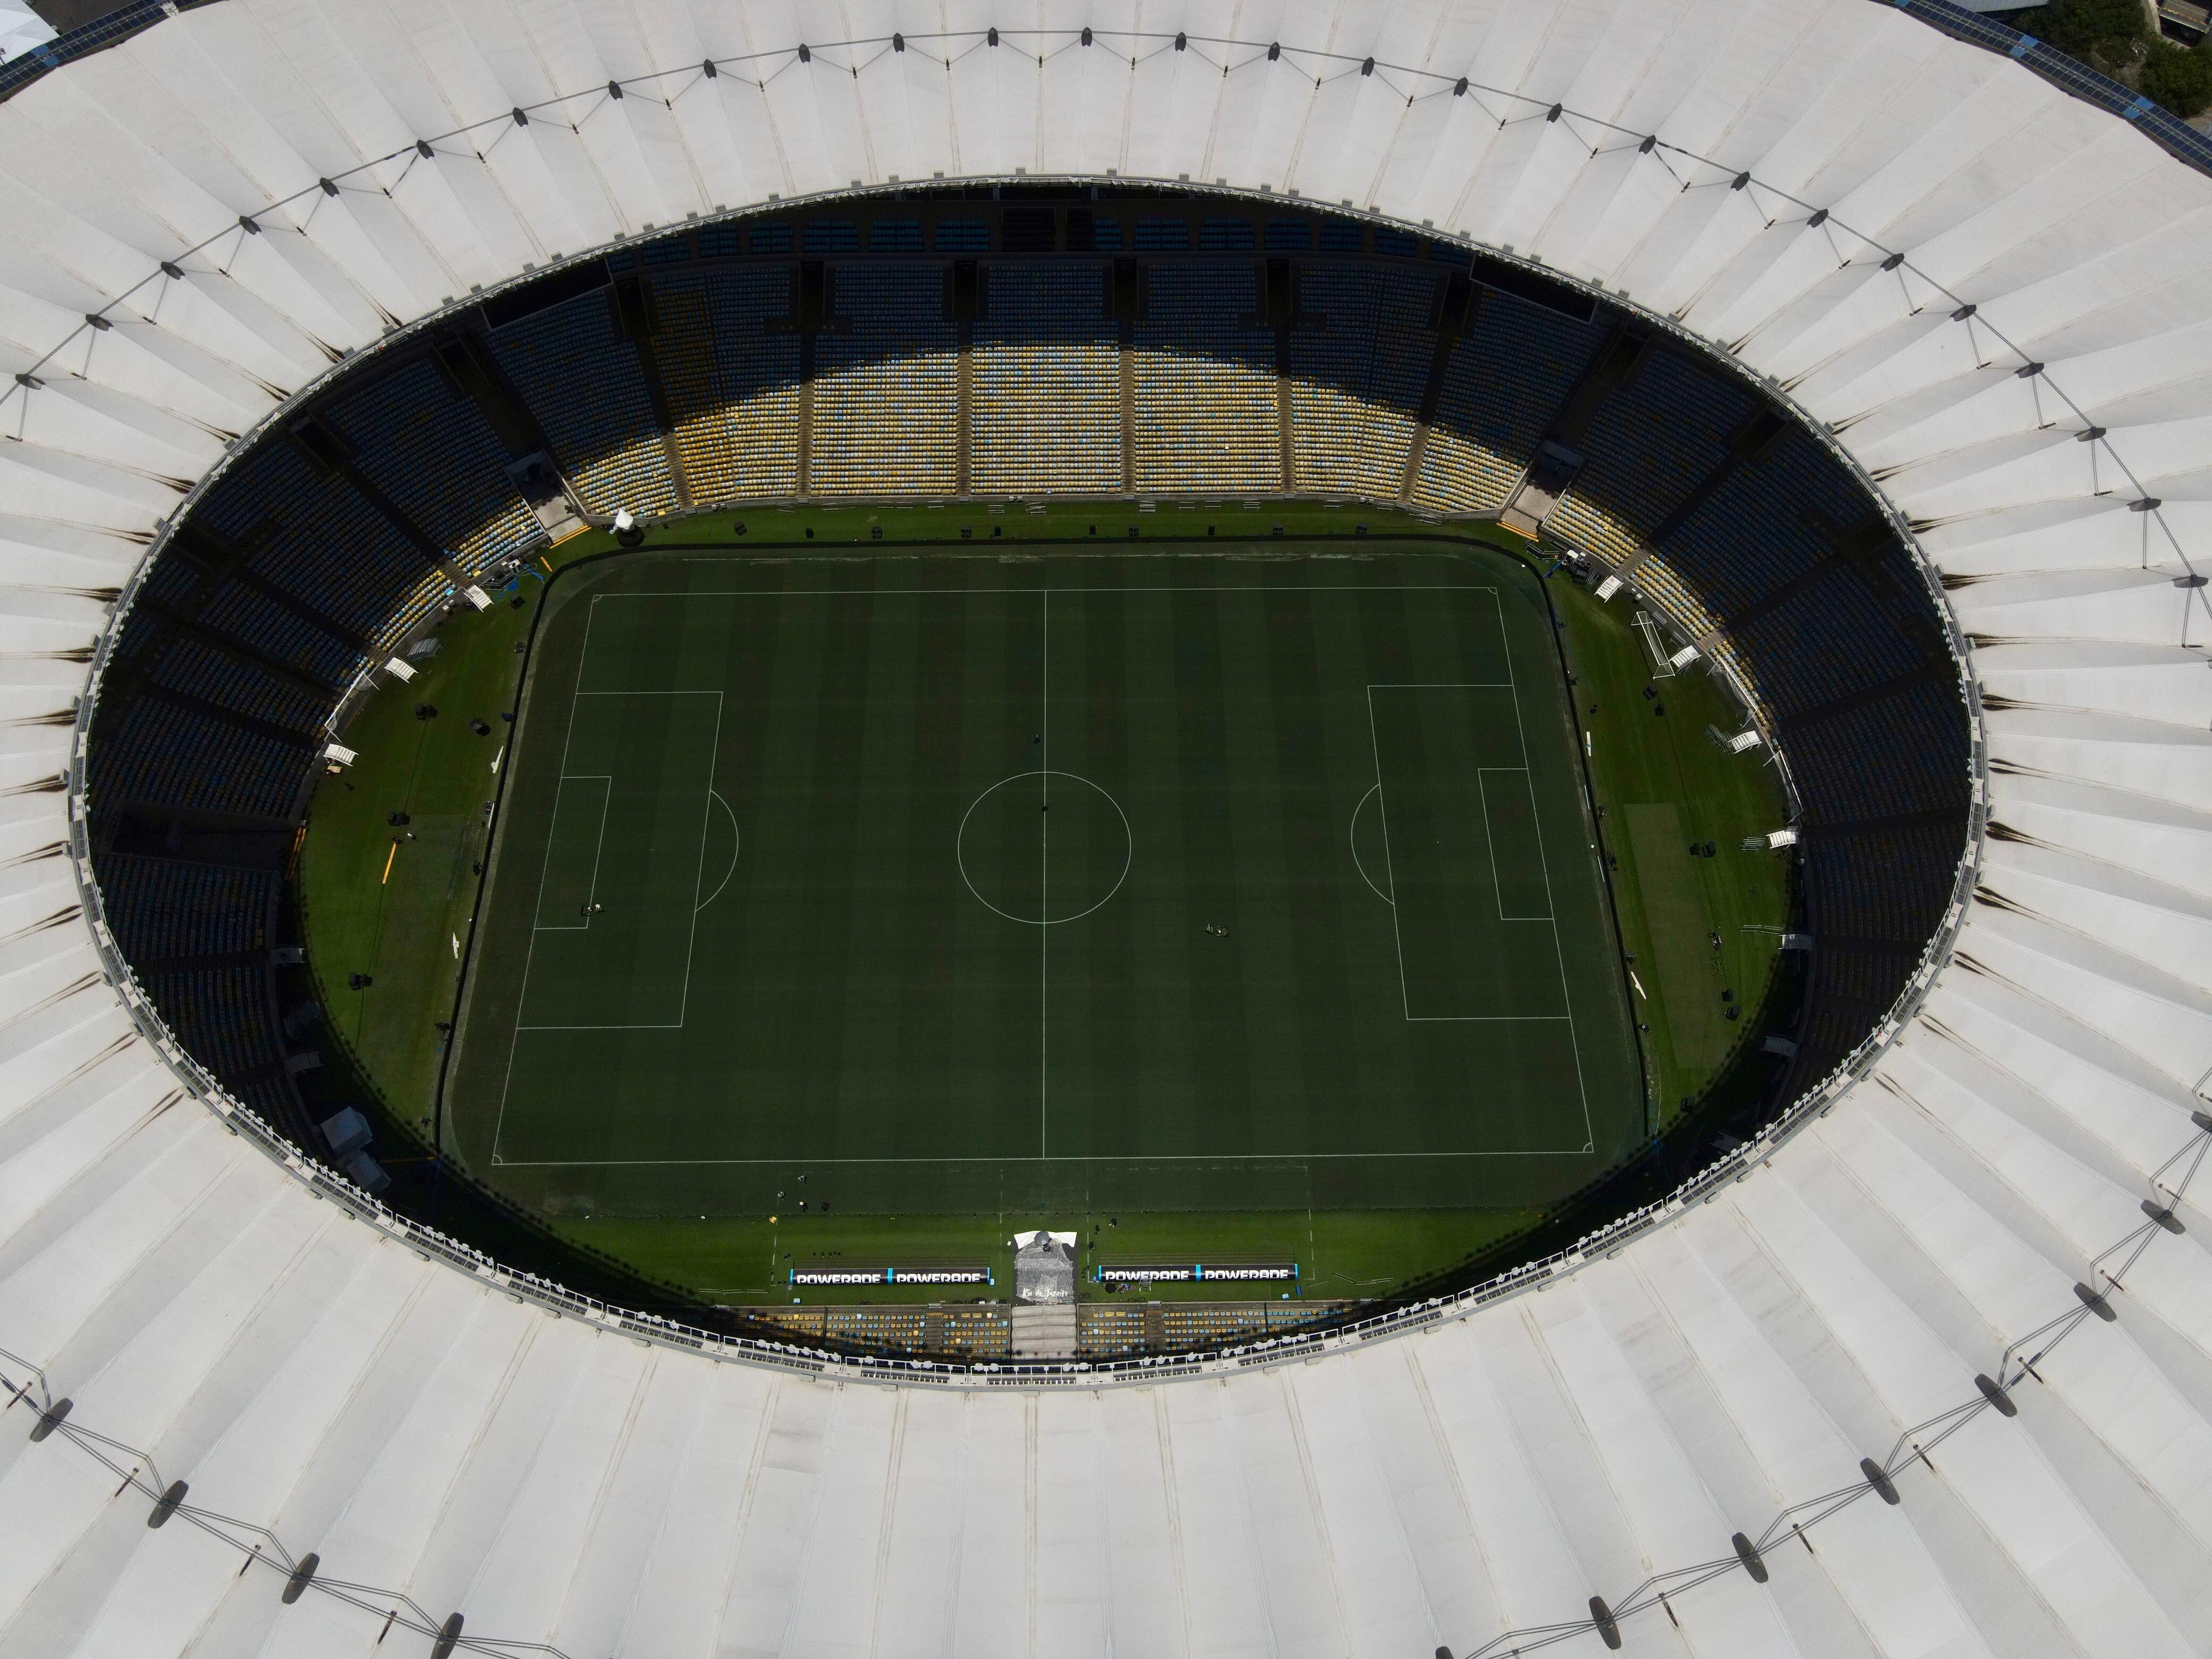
(1381, 802)
(1544, 859)
(599, 846)
(699, 877)
(699, 880)
(1481, 774)
(1352, 835)
(974, 593)
(1508, 684)
(1128, 858)
(1062, 1158)
(1044, 869)
(1383, 807)
(530, 959)
(530, 953)
(736, 846)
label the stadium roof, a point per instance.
(1992, 293)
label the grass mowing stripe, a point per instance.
(1222, 710)
(405, 944)
(1697, 1034)
(1308, 805)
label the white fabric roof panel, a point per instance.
(563, 1482)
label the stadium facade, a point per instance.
(1926, 1366)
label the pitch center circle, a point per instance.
(1044, 847)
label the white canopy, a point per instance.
(1959, 268)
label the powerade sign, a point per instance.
(890, 1275)
(1271, 1273)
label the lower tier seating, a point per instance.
(886, 390)
(1207, 413)
(733, 381)
(1046, 386)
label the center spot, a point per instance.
(1044, 847)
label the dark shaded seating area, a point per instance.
(942, 347)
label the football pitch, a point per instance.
(968, 884)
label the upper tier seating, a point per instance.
(1652, 440)
(1508, 376)
(1359, 356)
(198, 670)
(161, 751)
(731, 380)
(886, 392)
(1207, 413)
(163, 911)
(583, 380)
(1767, 524)
(311, 535)
(1047, 383)
(420, 440)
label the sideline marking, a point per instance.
(1044, 872)
(1509, 685)
(1020, 1157)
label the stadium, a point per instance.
(890, 829)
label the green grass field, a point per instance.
(904, 861)
(1177, 883)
